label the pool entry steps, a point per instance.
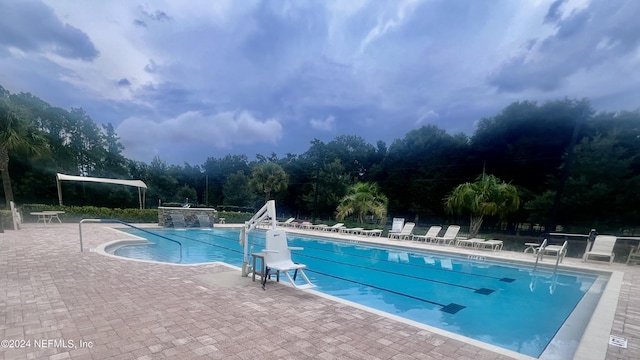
(276, 255)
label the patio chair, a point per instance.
(449, 236)
(277, 257)
(634, 255)
(405, 233)
(431, 233)
(602, 247)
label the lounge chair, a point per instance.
(286, 222)
(204, 221)
(355, 230)
(494, 245)
(431, 233)
(334, 227)
(277, 257)
(304, 225)
(319, 227)
(405, 233)
(558, 250)
(372, 232)
(449, 236)
(603, 247)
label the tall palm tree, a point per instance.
(363, 198)
(16, 135)
(267, 178)
(487, 196)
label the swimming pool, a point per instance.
(506, 305)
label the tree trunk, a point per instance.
(6, 180)
(6, 184)
(474, 225)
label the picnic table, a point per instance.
(47, 216)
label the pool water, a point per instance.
(511, 306)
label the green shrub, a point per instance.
(234, 217)
(77, 213)
(7, 221)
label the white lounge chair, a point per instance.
(286, 222)
(277, 257)
(558, 250)
(371, 232)
(431, 233)
(449, 236)
(355, 230)
(334, 227)
(494, 245)
(603, 247)
(405, 233)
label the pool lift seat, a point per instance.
(277, 253)
(277, 257)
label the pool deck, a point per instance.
(51, 294)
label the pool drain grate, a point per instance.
(452, 308)
(484, 291)
(507, 280)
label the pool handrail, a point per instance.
(114, 221)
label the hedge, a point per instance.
(77, 213)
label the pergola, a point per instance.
(137, 183)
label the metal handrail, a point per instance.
(114, 221)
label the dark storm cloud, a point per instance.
(553, 15)
(604, 31)
(211, 78)
(31, 26)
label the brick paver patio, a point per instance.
(52, 295)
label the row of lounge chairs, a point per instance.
(339, 228)
(450, 237)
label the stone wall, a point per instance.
(190, 215)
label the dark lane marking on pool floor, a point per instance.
(451, 308)
(482, 291)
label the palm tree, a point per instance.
(16, 135)
(267, 178)
(486, 197)
(363, 198)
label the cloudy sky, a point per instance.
(188, 80)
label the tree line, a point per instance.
(571, 166)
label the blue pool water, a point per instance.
(507, 305)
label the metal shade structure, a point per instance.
(136, 183)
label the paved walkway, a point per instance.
(58, 303)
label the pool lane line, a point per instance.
(483, 291)
(451, 308)
(503, 279)
(414, 265)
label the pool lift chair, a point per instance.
(277, 253)
(277, 257)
